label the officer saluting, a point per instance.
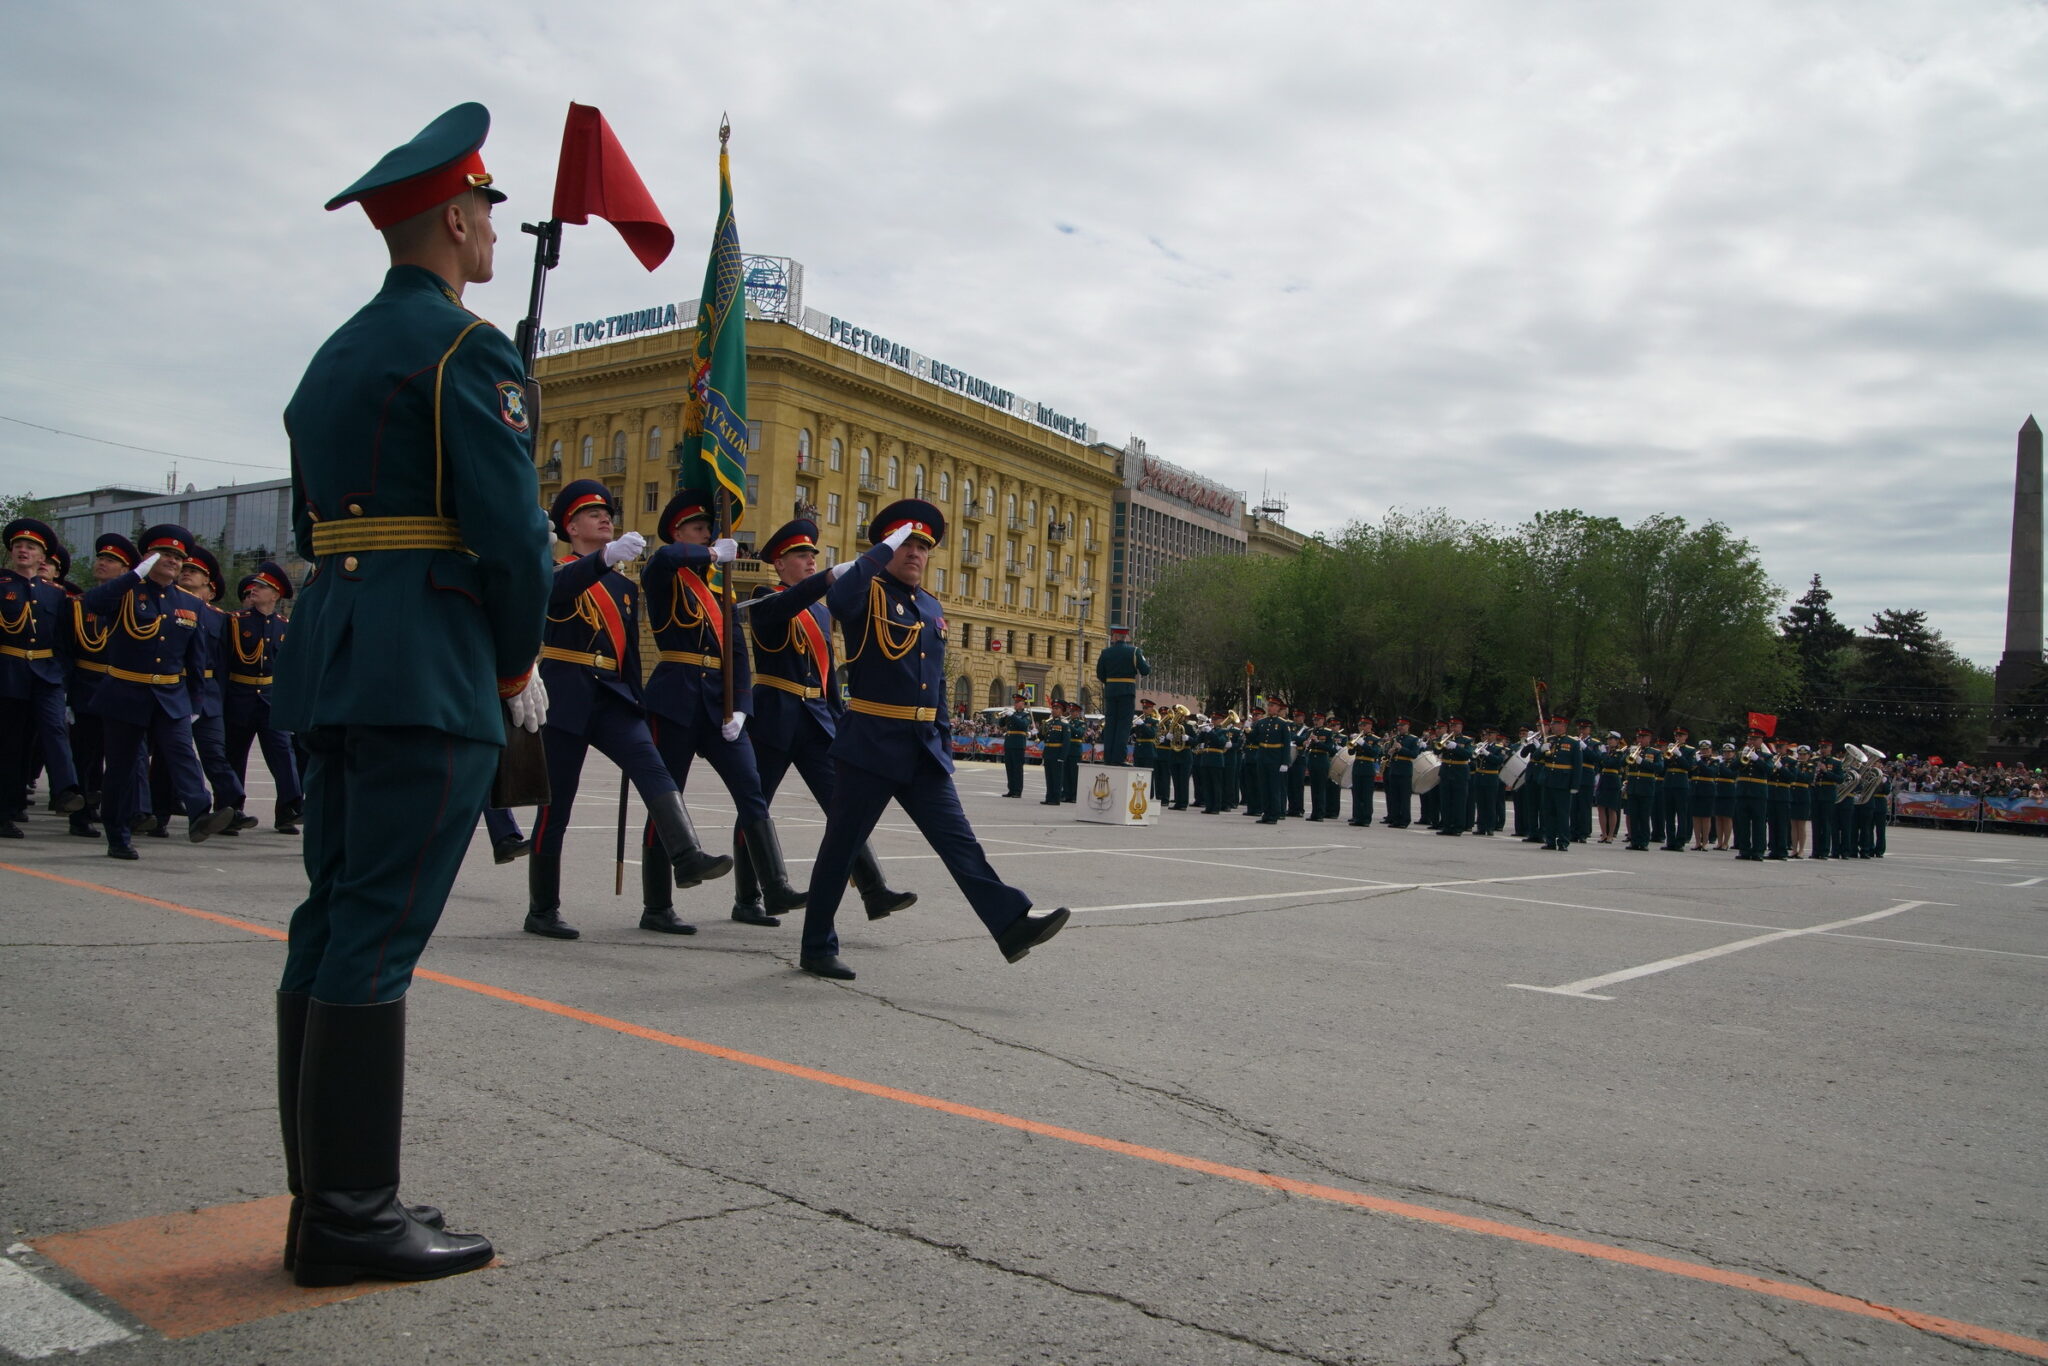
(32, 621)
(797, 708)
(413, 486)
(895, 744)
(113, 555)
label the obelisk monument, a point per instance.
(2021, 662)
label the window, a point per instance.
(555, 452)
(1009, 595)
(617, 493)
(1087, 528)
(619, 448)
(867, 463)
(966, 489)
(988, 544)
(831, 555)
(651, 496)
(1010, 507)
(939, 580)
(1030, 556)
(945, 479)
(988, 500)
(862, 515)
(1030, 599)
(1031, 512)
(988, 589)
(654, 450)
(803, 448)
(753, 490)
(917, 481)
(895, 472)
(967, 582)
(753, 436)
(838, 454)
(1010, 641)
(589, 451)
(1030, 644)
(832, 509)
(1070, 652)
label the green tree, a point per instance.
(1817, 639)
(1905, 690)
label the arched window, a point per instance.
(803, 448)
(867, 463)
(1031, 512)
(988, 500)
(1087, 528)
(963, 693)
(654, 451)
(838, 454)
(895, 472)
(619, 446)
(555, 453)
(945, 479)
(589, 450)
(966, 490)
(995, 692)
(917, 481)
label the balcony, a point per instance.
(1054, 578)
(612, 464)
(1056, 532)
(1019, 524)
(550, 471)
(1089, 545)
(1013, 568)
(870, 484)
(970, 559)
(971, 513)
(1085, 587)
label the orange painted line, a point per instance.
(197, 1270)
(1425, 1214)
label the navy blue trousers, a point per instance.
(500, 824)
(170, 740)
(681, 742)
(209, 738)
(859, 796)
(389, 815)
(617, 732)
(277, 757)
(24, 722)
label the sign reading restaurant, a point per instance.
(959, 381)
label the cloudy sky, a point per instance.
(1780, 264)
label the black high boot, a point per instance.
(746, 891)
(544, 898)
(351, 1112)
(679, 840)
(657, 899)
(764, 852)
(875, 894)
(291, 1049)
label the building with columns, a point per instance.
(844, 421)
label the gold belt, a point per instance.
(207, 674)
(92, 666)
(591, 661)
(1120, 680)
(19, 653)
(154, 680)
(1558, 768)
(686, 657)
(893, 712)
(783, 685)
(1456, 763)
(251, 680)
(387, 533)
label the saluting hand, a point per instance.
(627, 547)
(148, 563)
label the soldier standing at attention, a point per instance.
(33, 616)
(1118, 668)
(1676, 800)
(413, 486)
(1754, 767)
(1827, 778)
(1487, 760)
(1365, 763)
(1145, 742)
(1454, 787)
(1180, 755)
(1401, 748)
(1017, 730)
(1211, 763)
(1077, 741)
(1642, 772)
(895, 746)
(1052, 756)
(798, 711)
(1607, 787)
(1560, 768)
(1316, 752)
(1270, 739)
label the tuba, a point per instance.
(1853, 767)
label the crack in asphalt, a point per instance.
(1470, 1327)
(610, 1234)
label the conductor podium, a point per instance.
(1108, 795)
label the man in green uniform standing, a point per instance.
(1454, 785)
(1145, 742)
(1077, 741)
(1052, 756)
(1016, 735)
(1559, 769)
(1269, 741)
(413, 488)
(1316, 753)
(1118, 668)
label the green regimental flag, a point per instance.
(715, 417)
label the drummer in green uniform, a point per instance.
(1016, 735)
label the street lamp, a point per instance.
(1081, 605)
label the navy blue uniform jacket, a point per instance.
(156, 633)
(912, 629)
(794, 692)
(586, 602)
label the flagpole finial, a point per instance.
(724, 131)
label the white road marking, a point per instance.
(1583, 987)
(1324, 891)
(2032, 881)
(38, 1320)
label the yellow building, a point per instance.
(843, 423)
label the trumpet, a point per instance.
(1635, 754)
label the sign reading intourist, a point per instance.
(774, 295)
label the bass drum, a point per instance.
(1340, 768)
(1513, 772)
(1428, 768)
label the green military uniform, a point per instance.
(1642, 776)
(1488, 758)
(1454, 781)
(1559, 769)
(1016, 735)
(1269, 741)
(1052, 746)
(1118, 668)
(1365, 761)
(1320, 748)
(1210, 761)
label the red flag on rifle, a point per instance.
(595, 177)
(1764, 722)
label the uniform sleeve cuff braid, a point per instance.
(512, 687)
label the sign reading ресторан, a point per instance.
(946, 376)
(1154, 475)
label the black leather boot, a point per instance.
(875, 894)
(679, 840)
(746, 891)
(764, 853)
(544, 898)
(657, 898)
(291, 1048)
(351, 1109)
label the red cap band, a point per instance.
(399, 202)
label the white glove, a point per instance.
(627, 547)
(530, 705)
(838, 569)
(725, 550)
(148, 563)
(895, 539)
(1283, 768)
(731, 729)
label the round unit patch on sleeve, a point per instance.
(512, 404)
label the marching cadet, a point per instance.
(1582, 804)
(1560, 769)
(1077, 742)
(1827, 780)
(1365, 763)
(590, 662)
(156, 654)
(1145, 741)
(255, 635)
(113, 555)
(1489, 756)
(1400, 752)
(1454, 786)
(687, 696)
(1753, 769)
(425, 611)
(1607, 795)
(1017, 733)
(33, 625)
(201, 577)
(1642, 779)
(895, 746)
(1118, 668)
(798, 710)
(1675, 802)
(1052, 755)
(1269, 742)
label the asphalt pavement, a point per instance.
(1301, 1092)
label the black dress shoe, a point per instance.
(210, 824)
(662, 920)
(158, 831)
(1050, 801)
(69, 800)
(10, 831)
(509, 848)
(142, 823)
(240, 823)
(82, 826)
(827, 966)
(550, 925)
(122, 851)
(756, 915)
(1030, 931)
